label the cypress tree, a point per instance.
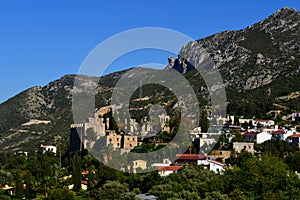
(19, 186)
(76, 173)
(204, 122)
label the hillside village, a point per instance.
(234, 137)
(242, 135)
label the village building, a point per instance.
(257, 136)
(223, 154)
(263, 123)
(295, 115)
(184, 159)
(139, 165)
(49, 148)
(282, 134)
(25, 153)
(294, 139)
(166, 162)
(9, 190)
(216, 166)
(240, 147)
(122, 141)
(167, 170)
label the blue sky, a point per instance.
(44, 40)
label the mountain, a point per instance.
(259, 66)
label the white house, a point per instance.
(165, 163)
(263, 123)
(22, 153)
(282, 134)
(167, 170)
(49, 148)
(295, 115)
(217, 167)
(259, 137)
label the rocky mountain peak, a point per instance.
(282, 20)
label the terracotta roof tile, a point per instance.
(294, 136)
(169, 168)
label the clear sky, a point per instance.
(44, 40)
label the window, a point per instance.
(118, 139)
(110, 140)
(118, 144)
(127, 138)
(132, 139)
(130, 145)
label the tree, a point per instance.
(251, 124)
(76, 161)
(61, 194)
(19, 185)
(237, 136)
(3, 196)
(29, 193)
(236, 120)
(91, 136)
(216, 196)
(111, 190)
(258, 178)
(204, 122)
(5, 178)
(294, 161)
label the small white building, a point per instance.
(49, 148)
(217, 167)
(167, 170)
(203, 161)
(295, 115)
(25, 153)
(263, 123)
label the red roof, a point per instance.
(294, 136)
(278, 132)
(217, 162)
(250, 133)
(262, 120)
(84, 182)
(191, 157)
(169, 168)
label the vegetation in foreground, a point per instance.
(270, 175)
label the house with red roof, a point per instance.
(167, 170)
(294, 139)
(184, 159)
(281, 134)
